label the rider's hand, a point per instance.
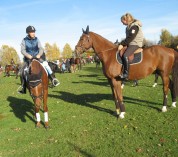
(38, 56)
(120, 47)
(29, 57)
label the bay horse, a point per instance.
(155, 58)
(14, 68)
(37, 85)
(75, 63)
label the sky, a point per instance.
(61, 21)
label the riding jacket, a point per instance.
(31, 46)
(134, 34)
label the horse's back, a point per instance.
(158, 57)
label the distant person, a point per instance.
(12, 63)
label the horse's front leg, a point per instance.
(114, 97)
(119, 97)
(37, 114)
(45, 107)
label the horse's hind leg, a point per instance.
(173, 94)
(165, 92)
(156, 80)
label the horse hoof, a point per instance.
(37, 126)
(121, 116)
(164, 109)
(47, 127)
(174, 104)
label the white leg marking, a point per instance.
(122, 86)
(46, 116)
(155, 84)
(117, 111)
(121, 116)
(174, 104)
(38, 117)
(164, 109)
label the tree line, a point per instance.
(53, 52)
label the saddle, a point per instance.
(131, 57)
(135, 58)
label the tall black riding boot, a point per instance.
(23, 91)
(126, 68)
(54, 80)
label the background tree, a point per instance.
(166, 38)
(67, 51)
(7, 53)
(148, 43)
(174, 42)
(52, 52)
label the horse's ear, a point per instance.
(83, 30)
(117, 41)
(87, 30)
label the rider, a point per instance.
(133, 40)
(30, 48)
(13, 63)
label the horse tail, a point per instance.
(175, 74)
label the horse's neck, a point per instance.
(101, 45)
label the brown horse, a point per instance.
(75, 63)
(155, 58)
(14, 68)
(38, 87)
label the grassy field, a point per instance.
(82, 120)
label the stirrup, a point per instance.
(53, 81)
(122, 76)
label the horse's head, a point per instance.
(84, 43)
(35, 82)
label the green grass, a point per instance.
(81, 112)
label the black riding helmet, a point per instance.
(30, 29)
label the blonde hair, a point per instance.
(127, 17)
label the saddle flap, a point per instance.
(131, 57)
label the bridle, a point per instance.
(83, 43)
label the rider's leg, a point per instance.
(125, 60)
(23, 79)
(51, 75)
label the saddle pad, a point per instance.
(138, 57)
(34, 83)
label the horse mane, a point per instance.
(106, 40)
